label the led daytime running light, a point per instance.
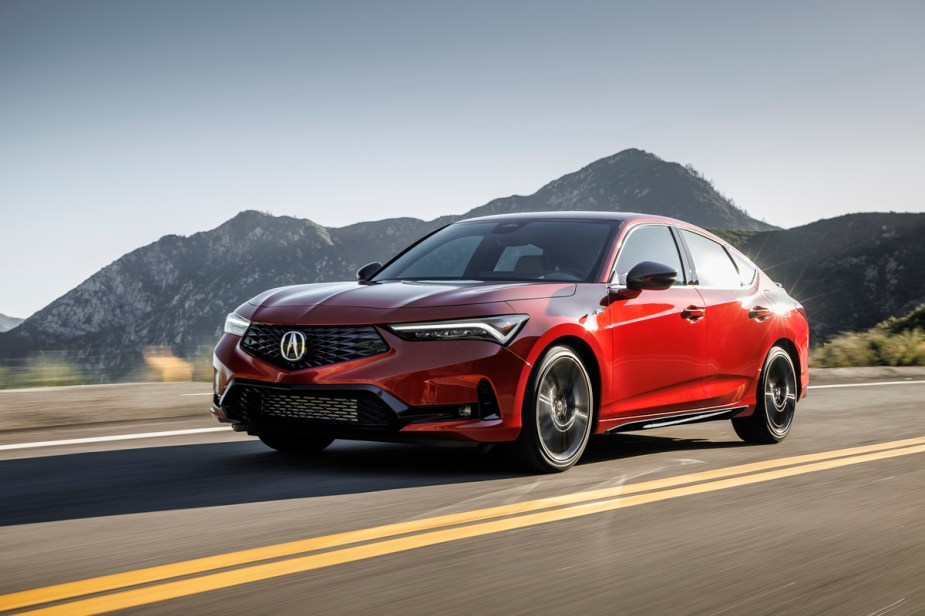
(498, 329)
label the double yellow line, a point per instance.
(153, 584)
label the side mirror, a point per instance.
(368, 271)
(650, 275)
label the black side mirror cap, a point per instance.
(650, 275)
(365, 273)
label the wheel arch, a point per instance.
(588, 357)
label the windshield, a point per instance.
(550, 250)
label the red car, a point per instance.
(537, 330)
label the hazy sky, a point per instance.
(124, 121)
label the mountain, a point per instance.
(633, 181)
(172, 295)
(8, 323)
(850, 272)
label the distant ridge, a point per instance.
(174, 293)
(850, 272)
(7, 323)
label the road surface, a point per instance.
(684, 520)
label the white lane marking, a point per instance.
(115, 437)
(127, 437)
(888, 608)
(867, 384)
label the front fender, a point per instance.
(548, 327)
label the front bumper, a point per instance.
(448, 390)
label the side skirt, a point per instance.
(675, 420)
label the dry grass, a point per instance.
(875, 347)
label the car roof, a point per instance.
(621, 217)
(575, 215)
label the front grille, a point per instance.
(324, 345)
(362, 409)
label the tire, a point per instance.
(300, 445)
(558, 413)
(776, 402)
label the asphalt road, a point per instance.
(832, 521)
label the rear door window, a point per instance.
(712, 263)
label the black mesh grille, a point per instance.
(324, 345)
(360, 409)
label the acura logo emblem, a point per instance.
(292, 346)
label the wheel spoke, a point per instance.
(570, 375)
(555, 381)
(547, 428)
(769, 401)
(779, 373)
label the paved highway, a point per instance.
(683, 520)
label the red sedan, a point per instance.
(537, 330)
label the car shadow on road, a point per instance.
(609, 447)
(106, 483)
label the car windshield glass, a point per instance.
(551, 250)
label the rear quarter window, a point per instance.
(747, 269)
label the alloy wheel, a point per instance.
(563, 408)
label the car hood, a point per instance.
(406, 294)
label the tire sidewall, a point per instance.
(772, 432)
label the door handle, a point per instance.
(694, 313)
(759, 313)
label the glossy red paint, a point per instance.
(665, 372)
(651, 354)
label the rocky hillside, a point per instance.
(850, 272)
(633, 181)
(912, 321)
(175, 292)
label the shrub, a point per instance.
(876, 347)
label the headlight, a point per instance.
(236, 325)
(493, 329)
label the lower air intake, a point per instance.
(360, 409)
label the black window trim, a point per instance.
(733, 249)
(687, 260)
